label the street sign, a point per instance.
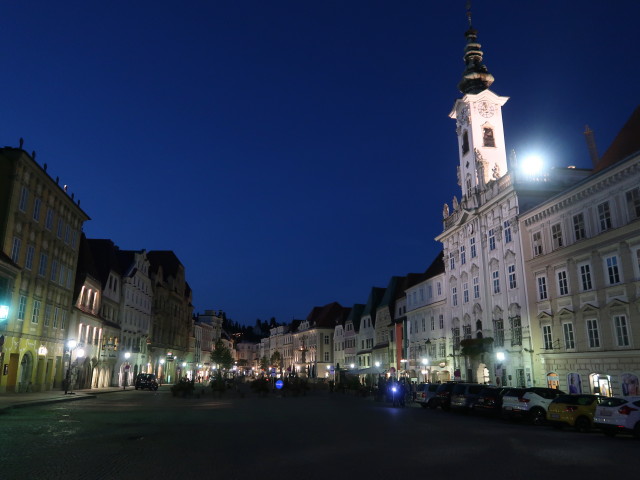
(279, 384)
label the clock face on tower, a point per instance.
(486, 109)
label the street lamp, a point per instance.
(162, 370)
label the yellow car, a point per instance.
(576, 410)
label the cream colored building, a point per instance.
(582, 250)
(40, 225)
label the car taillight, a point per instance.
(423, 395)
(570, 408)
(523, 400)
(626, 410)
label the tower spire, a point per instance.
(475, 77)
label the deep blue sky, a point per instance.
(295, 153)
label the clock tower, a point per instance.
(479, 127)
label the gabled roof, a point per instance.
(355, 314)
(167, 259)
(436, 267)
(626, 143)
(389, 297)
(86, 267)
(327, 316)
(105, 258)
(372, 303)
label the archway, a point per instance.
(26, 370)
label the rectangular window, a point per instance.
(456, 338)
(563, 287)
(498, 332)
(585, 277)
(15, 249)
(433, 323)
(326, 356)
(28, 261)
(476, 287)
(556, 236)
(326, 339)
(516, 331)
(48, 222)
(495, 278)
(472, 243)
(69, 277)
(547, 339)
(465, 292)
(633, 202)
(466, 332)
(454, 296)
(507, 231)
(452, 261)
(542, 288)
(578, 226)
(604, 216)
(60, 226)
(512, 276)
(36, 210)
(22, 307)
(592, 332)
(42, 268)
(67, 234)
(612, 270)
(35, 314)
(537, 244)
(622, 330)
(54, 270)
(569, 341)
(63, 322)
(439, 288)
(441, 321)
(24, 198)
(492, 239)
(47, 315)
(443, 350)
(63, 274)
(463, 255)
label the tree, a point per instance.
(264, 363)
(276, 359)
(221, 355)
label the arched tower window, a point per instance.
(465, 142)
(487, 137)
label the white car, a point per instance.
(618, 415)
(530, 403)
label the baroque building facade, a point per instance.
(40, 225)
(582, 250)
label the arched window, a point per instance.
(487, 137)
(465, 142)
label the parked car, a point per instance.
(488, 401)
(443, 394)
(618, 415)
(426, 395)
(146, 380)
(464, 394)
(529, 403)
(575, 410)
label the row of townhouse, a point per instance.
(82, 310)
(538, 282)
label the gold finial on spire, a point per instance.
(469, 12)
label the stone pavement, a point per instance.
(21, 400)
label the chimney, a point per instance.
(591, 145)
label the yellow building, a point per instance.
(40, 225)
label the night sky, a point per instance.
(295, 153)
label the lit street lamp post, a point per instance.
(71, 347)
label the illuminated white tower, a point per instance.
(479, 126)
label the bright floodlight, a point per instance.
(500, 356)
(72, 344)
(80, 353)
(532, 165)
